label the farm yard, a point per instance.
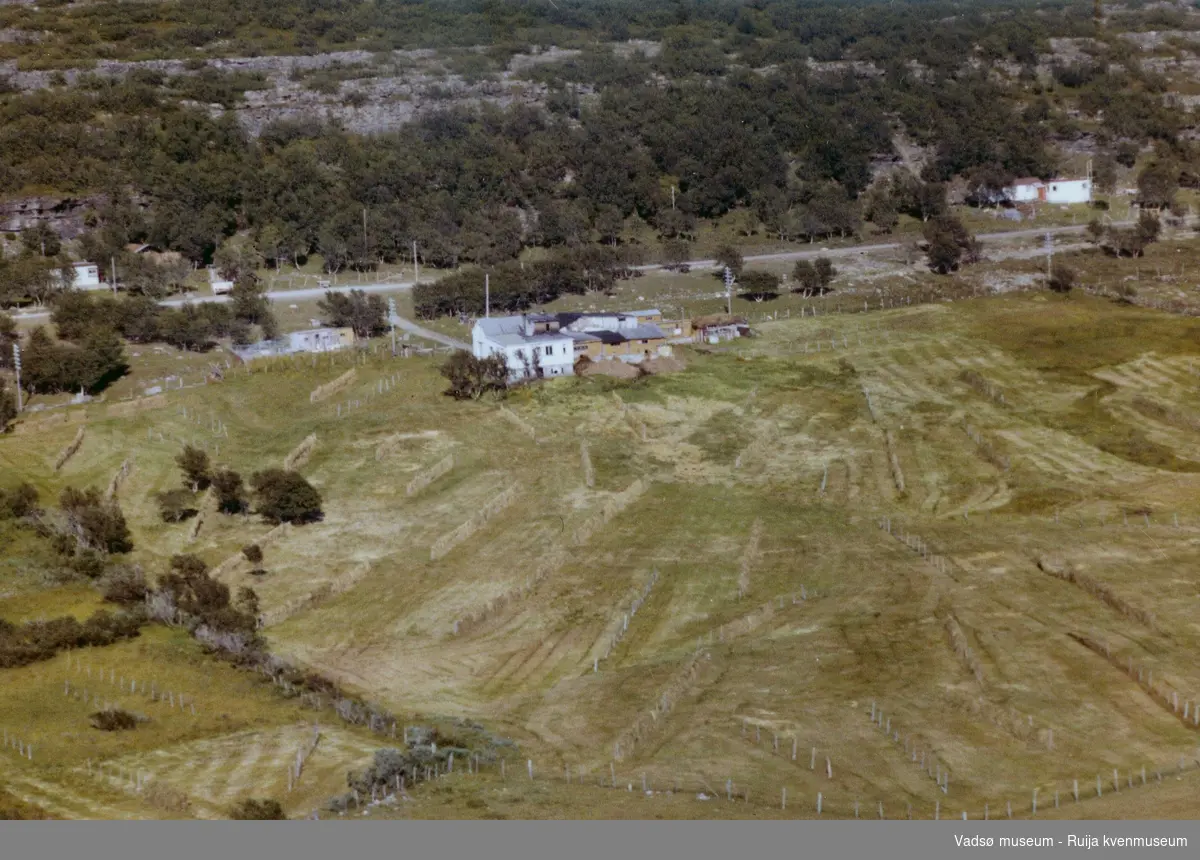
(920, 561)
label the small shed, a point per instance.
(87, 276)
(219, 285)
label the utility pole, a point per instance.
(672, 196)
(365, 232)
(487, 295)
(728, 291)
(113, 260)
(416, 266)
(17, 366)
(392, 320)
(1049, 255)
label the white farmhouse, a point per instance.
(1030, 189)
(86, 277)
(532, 344)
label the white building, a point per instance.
(219, 285)
(549, 344)
(1030, 189)
(529, 343)
(87, 277)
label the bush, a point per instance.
(21, 501)
(8, 406)
(195, 465)
(231, 493)
(257, 810)
(253, 553)
(113, 720)
(1062, 278)
(471, 378)
(189, 588)
(41, 640)
(286, 497)
(88, 563)
(94, 522)
(175, 506)
(124, 585)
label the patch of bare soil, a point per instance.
(664, 365)
(613, 367)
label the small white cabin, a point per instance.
(86, 277)
(219, 285)
(1030, 189)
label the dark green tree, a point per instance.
(758, 286)
(230, 491)
(731, 257)
(285, 496)
(1157, 184)
(366, 314)
(196, 467)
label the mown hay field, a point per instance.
(975, 521)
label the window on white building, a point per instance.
(549, 350)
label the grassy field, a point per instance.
(1035, 457)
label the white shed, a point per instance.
(1030, 189)
(1068, 191)
(86, 277)
(219, 285)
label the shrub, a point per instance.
(471, 378)
(195, 466)
(94, 522)
(286, 497)
(1062, 278)
(195, 592)
(8, 406)
(124, 585)
(231, 492)
(41, 640)
(253, 553)
(257, 810)
(175, 506)
(113, 720)
(88, 563)
(247, 602)
(21, 501)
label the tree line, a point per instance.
(789, 150)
